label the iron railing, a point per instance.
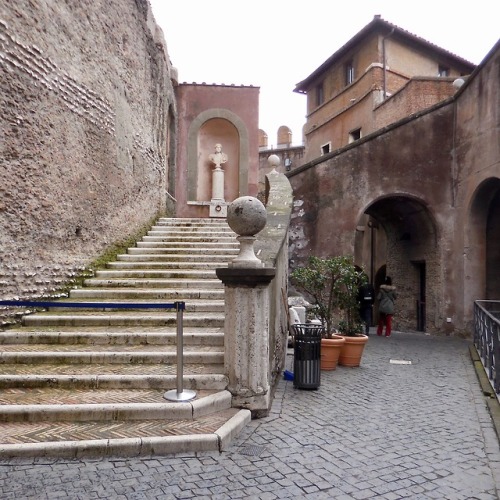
(174, 395)
(487, 338)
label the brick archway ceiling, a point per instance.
(409, 216)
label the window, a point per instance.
(349, 72)
(354, 135)
(320, 96)
(443, 71)
(326, 148)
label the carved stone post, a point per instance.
(246, 328)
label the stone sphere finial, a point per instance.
(246, 216)
(274, 162)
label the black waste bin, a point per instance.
(307, 355)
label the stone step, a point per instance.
(112, 376)
(191, 305)
(43, 353)
(202, 239)
(171, 257)
(222, 253)
(102, 355)
(124, 318)
(112, 336)
(79, 440)
(194, 222)
(196, 274)
(184, 245)
(194, 230)
(180, 282)
(146, 294)
(149, 266)
(56, 404)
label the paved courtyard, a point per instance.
(410, 422)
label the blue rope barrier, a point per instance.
(178, 306)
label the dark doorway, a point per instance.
(420, 300)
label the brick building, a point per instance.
(417, 196)
(379, 76)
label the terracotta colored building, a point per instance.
(382, 74)
(418, 198)
(209, 115)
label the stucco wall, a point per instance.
(231, 108)
(85, 94)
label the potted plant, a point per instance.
(332, 284)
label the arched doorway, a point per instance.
(398, 237)
(482, 245)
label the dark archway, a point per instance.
(400, 239)
(482, 244)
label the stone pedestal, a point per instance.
(246, 330)
(218, 209)
(246, 326)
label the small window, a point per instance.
(320, 95)
(326, 148)
(443, 71)
(349, 72)
(354, 135)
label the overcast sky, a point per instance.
(275, 44)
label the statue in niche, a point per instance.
(218, 158)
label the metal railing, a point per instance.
(487, 338)
(178, 394)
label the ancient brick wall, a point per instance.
(85, 94)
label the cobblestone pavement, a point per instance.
(385, 430)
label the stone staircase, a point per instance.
(91, 381)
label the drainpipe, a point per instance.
(385, 63)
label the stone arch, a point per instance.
(398, 233)
(482, 245)
(238, 145)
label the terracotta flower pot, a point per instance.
(352, 350)
(330, 352)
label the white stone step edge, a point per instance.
(129, 447)
(190, 410)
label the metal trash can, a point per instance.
(307, 355)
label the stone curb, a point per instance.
(487, 389)
(130, 447)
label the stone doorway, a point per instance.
(400, 238)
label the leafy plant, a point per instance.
(333, 285)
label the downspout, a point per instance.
(385, 63)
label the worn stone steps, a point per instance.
(221, 253)
(114, 423)
(192, 295)
(180, 282)
(123, 318)
(153, 266)
(91, 381)
(203, 278)
(192, 305)
(105, 335)
(102, 355)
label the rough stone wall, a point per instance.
(85, 94)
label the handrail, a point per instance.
(487, 338)
(174, 395)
